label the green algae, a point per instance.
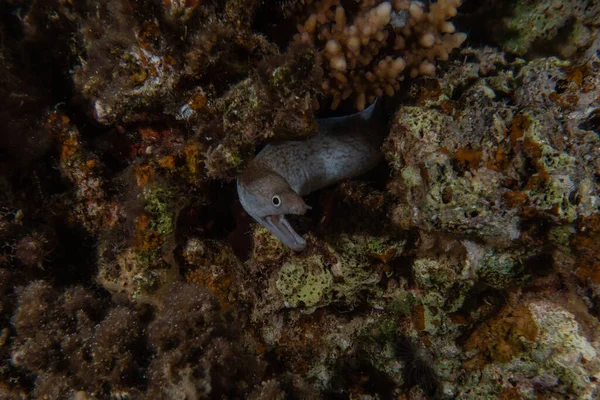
(411, 176)
(136, 273)
(306, 283)
(553, 193)
(242, 102)
(500, 270)
(160, 204)
(340, 273)
(533, 21)
(281, 78)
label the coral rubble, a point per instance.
(464, 266)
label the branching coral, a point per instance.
(367, 57)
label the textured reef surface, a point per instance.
(465, 266)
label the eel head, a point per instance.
(267, 197)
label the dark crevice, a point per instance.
(592, 122)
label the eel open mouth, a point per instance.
(280, 227)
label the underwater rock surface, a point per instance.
(465, 266)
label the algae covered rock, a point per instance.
(458, 166)
(442, 178)
(337, 272)
(305, 283)
(546, 23)
(543, 344)
(141, 268)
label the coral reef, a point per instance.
(464, 266)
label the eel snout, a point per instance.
(281, 228)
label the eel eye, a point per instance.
(276, 201)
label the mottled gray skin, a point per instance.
(273, 183)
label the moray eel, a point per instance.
(274, 182)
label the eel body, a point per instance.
(276, 179)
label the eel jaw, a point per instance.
(280, 227)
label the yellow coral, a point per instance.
(369, 57)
